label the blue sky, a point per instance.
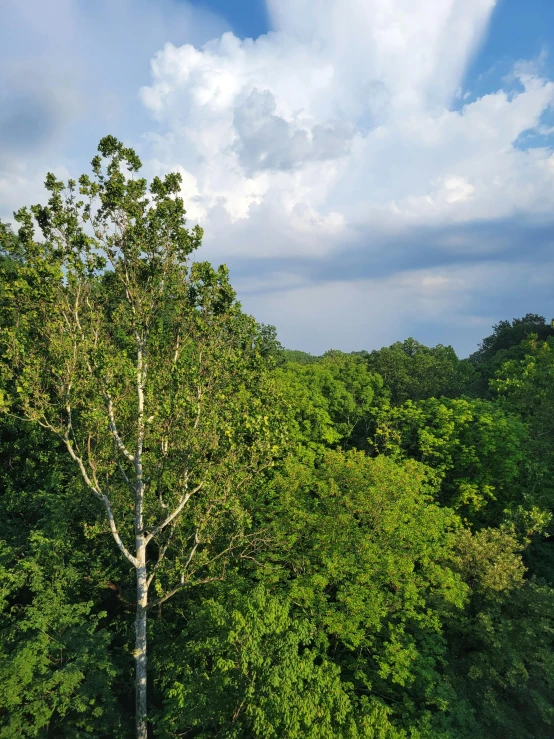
(246, 18)
(369, 169)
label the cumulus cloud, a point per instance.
(347, 109)
(337, 161)
(330, 144)
(266, 141)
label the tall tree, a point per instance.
(145, 368)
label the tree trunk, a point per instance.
(140, 543)
(140, 645)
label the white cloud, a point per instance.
(340, 123)
(416, 50)
(324, 151)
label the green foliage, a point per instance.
(8, 241)
(368, 550)
(525, 387)
(504, 344)
(370, 553)
(56, 675)
(85, 316)
(253, 668)
(59, 672)
(344, 636)
(509, 334)
(268, 343)
(330, 400)
(297, 356)
(475, 448)
(500, 660)
(412, 371)
(143, 366)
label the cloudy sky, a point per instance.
(369, 169)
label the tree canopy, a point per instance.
(350, 545)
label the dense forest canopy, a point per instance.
(355, 545)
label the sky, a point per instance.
(369, 170)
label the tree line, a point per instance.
(205, 534)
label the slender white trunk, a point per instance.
(140, 543)
(140, 643)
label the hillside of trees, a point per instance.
(204, 534)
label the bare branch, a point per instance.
(191, 555)
(184, 583)
(181, 586)
(182, 503)
(104, 498)
(198, 407)
(177, 348)
(160, 497)
(113, 428)
(160, 559)
(125, 476)
(141, 375)
(137, 460)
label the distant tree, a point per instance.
(507, 334)
(145, 369)
(525, 386)
(7, 236)
(297, 356)
(10, 253)
(269, 345)
(330, 400)
(412, 371)
(505, 343)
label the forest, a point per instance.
(204, 534)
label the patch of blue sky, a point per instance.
(540, 137)
(518, 32)
(246, 18)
